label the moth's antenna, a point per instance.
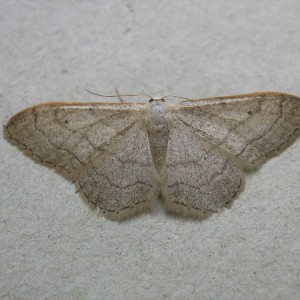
(179, 97)
(118, 96)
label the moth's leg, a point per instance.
(119, 96)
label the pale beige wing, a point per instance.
(68, 135)
(123, 181)
(249, 127)
(197, 179)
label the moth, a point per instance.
(192, 154)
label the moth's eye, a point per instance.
(150, 100)
(162, 99)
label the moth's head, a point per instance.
(156, 113)
(156, 99)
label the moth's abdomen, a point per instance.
(158, 145)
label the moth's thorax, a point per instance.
(156, 119)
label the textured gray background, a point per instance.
(52, 245)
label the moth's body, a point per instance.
(194, 153)
(158, 131)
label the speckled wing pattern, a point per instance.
(198, 179)
(67, 136)
(248, 127)
(123, 181)
(212, 140)
(105, 146)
